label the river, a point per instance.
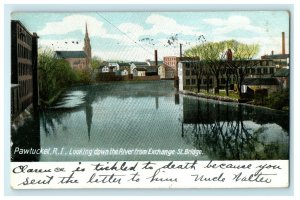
(149, 121)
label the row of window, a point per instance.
(204, 81)
(263, 70)
(261, 63)
(24, 69)
(25, 87)
(14, 101)
(169, 58)
(194, 81)
(23, 52)
(171, 63)
(26, 103)
(23, 35)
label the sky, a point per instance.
(133, 36)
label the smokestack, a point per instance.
(180, 50)
(155, 57)
(229, 55)
(272, 52)
(283, 43)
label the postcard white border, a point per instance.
(8, 8)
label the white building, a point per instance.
(123, 72)
(139, 71)
(162, 71)
(113, 66)
(105, 69)
(134, 65)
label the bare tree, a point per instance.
(242, 60)
(213, 57)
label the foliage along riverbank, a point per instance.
(55, 75)
(277, 100)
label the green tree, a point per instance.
(242, 60)
(210, 54)
(54, 74)
(213, 56)
(96, 62)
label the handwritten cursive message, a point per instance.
(150, 174)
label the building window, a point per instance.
(188, 82)
(258, 71)
(187, 73)
(193, 81)
(223, 80)
(265, 70)
(271, 70)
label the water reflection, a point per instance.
(153, 115)
(26, 138)
(88, 116)
(234, 132)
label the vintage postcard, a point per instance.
(150, 99)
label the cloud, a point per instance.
(233, 23)
(159, 24)
(134, 30)
(162, 24)
(74, 23)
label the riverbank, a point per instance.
(52, 100)
(19, 120)
(210, 96)
(227, 99)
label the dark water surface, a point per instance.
(150, 121)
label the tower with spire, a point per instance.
(87, 47)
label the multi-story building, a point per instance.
(280, 60)
(170, 63)
(24, 85)
(188, 79)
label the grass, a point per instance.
(222, 93)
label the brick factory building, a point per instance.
(24, 83)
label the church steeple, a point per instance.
(86, 31)
(87, 47)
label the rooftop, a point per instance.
(151, 69)
(276, 56)
(124, 64)
(70, 54)
(282, 73)
(140, 63)
(152, 63)
(140, 69)
(260, 81)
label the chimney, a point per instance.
(180, 50)
(283, 43)
(272, 52)
(229, 55)
(155, 57)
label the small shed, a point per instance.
(271, 84)
(282, 76)
(139, 71)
